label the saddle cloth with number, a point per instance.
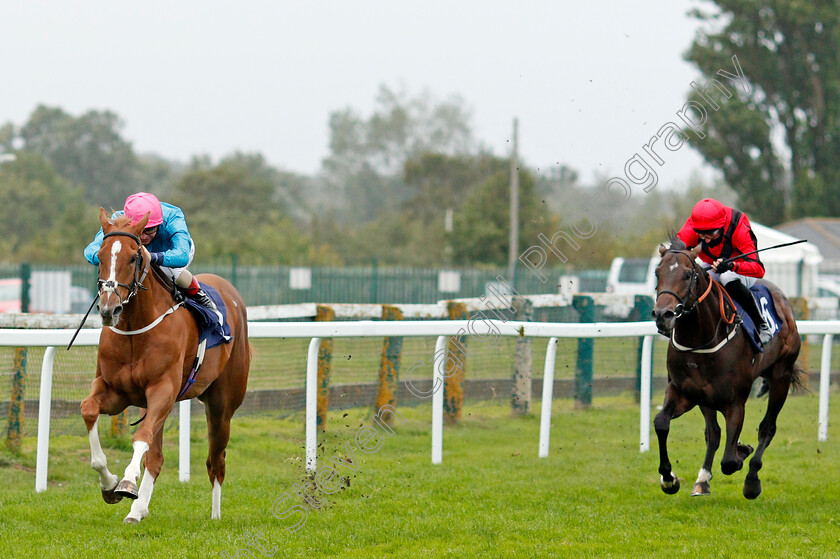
(768, 311)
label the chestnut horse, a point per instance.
(146, 361)
(712, 365)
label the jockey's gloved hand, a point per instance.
(724, 266)
(157, 258)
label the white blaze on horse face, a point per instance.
(110, 285)
(115, 250)
(674, 266)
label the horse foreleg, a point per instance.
(128, 484)
(159, 401)
(91, 408)
(674, 406)
(153, 463)
(766, 430)
(701, 486)
(98, 461)
(734, 452)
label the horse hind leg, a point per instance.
(701, 486)
(779, 388)
(734, 452)
(218, 428)
(153, 463)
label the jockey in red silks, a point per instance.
(722, 233)
(167, 239)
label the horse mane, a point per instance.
(121, 222)
(675, 242)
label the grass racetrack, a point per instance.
(596, 495)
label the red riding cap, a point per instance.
(708, 214)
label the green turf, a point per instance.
(595, 496)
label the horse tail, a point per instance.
(796, 373)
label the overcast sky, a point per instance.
(590, 82)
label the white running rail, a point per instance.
(52, 338)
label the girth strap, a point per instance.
(199, 359)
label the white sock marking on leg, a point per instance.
(216, 512)
(140, 507)
(98, 461)
(132, 472)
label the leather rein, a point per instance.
(683, 307)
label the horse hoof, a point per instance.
(111, 497)
(752, 489)
(670, 487)
(744, 450)
(126, 488)
(729, 468)
(701, 489)
(131, 520)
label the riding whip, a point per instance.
(763, 249)
(73, 339)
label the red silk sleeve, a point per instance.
(742, 243)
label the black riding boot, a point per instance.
(199, 297)
(204, 300)
(743, 295)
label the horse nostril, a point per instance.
(116, 311)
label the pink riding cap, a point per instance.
(138, 205)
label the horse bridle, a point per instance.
(682, 305)
(110, 286)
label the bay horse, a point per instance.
(148, 360)
(712, 365)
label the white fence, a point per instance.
(52, 338)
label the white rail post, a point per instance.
(825, 378)
(437, 400)
(644, 395)
(547, 397)
(312, 405)
(184, 441)
(42, 456)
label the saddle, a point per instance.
(213, 329)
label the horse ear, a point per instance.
(105, 220)
(662, 249)
(138, 227)
(695, 251)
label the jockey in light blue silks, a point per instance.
(167, 239)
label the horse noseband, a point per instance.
(682, 305)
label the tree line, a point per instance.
(383, 194)
(390, 178)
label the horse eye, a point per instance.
(133, 259)
(687, 276)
